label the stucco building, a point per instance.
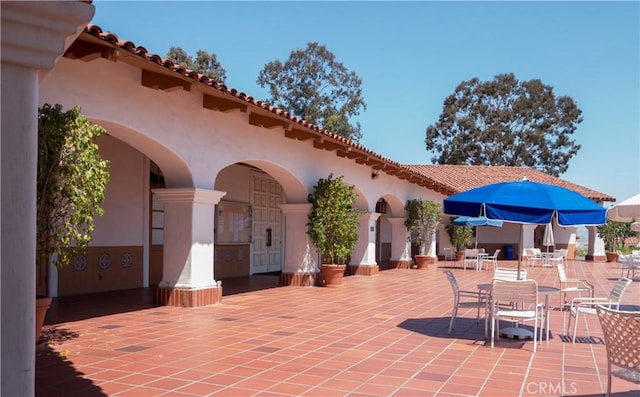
(207, 183)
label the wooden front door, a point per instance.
(267, 224)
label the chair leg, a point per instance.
(575, 326)
(535, 334)
(454, 313)
(493, 333)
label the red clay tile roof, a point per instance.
(444, 179)
(459, 178)
(96, 31)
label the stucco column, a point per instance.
(596, 249)
(363, 257)
(188, 246)
(528, 239)
(34, 35)
(400, 244)
(300, 257)
(444, 239)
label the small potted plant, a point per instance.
(460, 237)
(423, 217)
(71, 181)
(333, 226)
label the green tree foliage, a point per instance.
(333, 221)
(506, 122)
(71, 182)
(460, 236)
(313, 86)
(423, 217)
(613, 233)
(204, 62)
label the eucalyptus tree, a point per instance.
(204, 62)
(314, 86)
(506, 122)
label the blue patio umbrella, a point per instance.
(526, 202)
(476, 221)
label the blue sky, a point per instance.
(411, 56)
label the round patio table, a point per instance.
(520, 333)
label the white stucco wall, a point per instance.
(201, 148)
(205, 140)
(235, 180)
(123, 221)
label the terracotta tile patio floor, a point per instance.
(383, 335)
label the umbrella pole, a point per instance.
(476, 237)
(518, 332)
(520, 248)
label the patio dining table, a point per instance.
(547, 291)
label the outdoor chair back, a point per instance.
(493, 258)
(472, 258)
(515, 301)
(571, 285)
(621, 331)
(505, 273)
(533, 255)
(630, 263)
(466, 300)
(450, 254)
(588, 305)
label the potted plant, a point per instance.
(460, 237)
(71, 181)
(423, 217)
(613, 234)
(333, 226)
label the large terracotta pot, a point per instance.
(612, 256)
(42, 304)
(332, 275)
(422, 261)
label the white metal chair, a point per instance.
(556, 257)
(621, 331)
(471, 258)
(629, 263)
(534, 256)
(571, 285)
(450, 255)
(493, 258)
(588, 305)
(475, 300)
(515, 301)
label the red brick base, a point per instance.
(403, 264)
(298, 279)
(595, 258)
(184, 297)
(356, 270)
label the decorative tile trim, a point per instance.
(104, 261)
(80, 263)
(126, 259)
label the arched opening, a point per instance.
(383, 236)
(249, 226)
